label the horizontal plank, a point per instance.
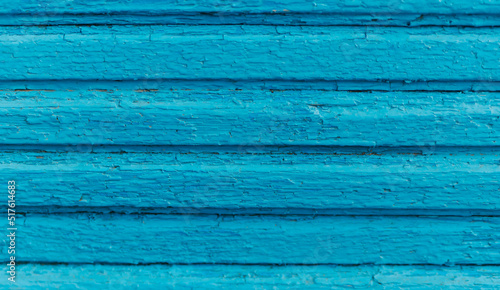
(284, 18)
(262, 6)
(174, 239)
(298, 12)
(253, 85)
(328, 17)
(36, 276)
(237, 180)
(275, 12)
(249, 117)
(249, 52)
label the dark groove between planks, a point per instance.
(263, 264)
(278, 18)
(246, 149)
(246, 24)
(181, 211)
(445, 86)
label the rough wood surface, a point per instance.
(234, 179)
(182, 160)
(475, 13)
(153, 7)
(298, 12)
(89, 238)
(237, 18)
(249, 52)
(249, 117)
(36, 276)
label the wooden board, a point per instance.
(36, 276)
(211, 52)
(278, 12)
(260, 180)
(229, 144)
(309, 240)
(153, 7)
(249, 117)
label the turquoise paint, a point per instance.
(237, 18)
(248, 276)
(243, 239)
(227, 180)
(249, 117)
(296, 12)
(251, 52)
(244, 145)
(155, 7)
(245, 84)
(475, 13)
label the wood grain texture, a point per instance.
(89, 238)
(152, 7)
(298, 12)
(479, 86)
(249, 117)
(249, 52)
(273, 18)
(159, 182)
(238, 180)
(36, 276)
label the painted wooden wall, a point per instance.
(269, 144)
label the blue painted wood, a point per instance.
(38, 276)
(91, 238)
(273, 18)
(249, 117)
(265, 180)
(126, 175)
(252, 85)
(154, 7)
(249, 52)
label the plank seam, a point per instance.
(256, 212)
(262, 264)
(246, 149)
(250, 80)
(245, 24)
(409, 23)
(145, 85)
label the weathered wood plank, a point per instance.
(238, 180)
(249, 52)
(280, 12)
(90, 238)
(249, 117)
(252, 85)
(36, 276)
(400, 19)
(224, 18)
(153, 7)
